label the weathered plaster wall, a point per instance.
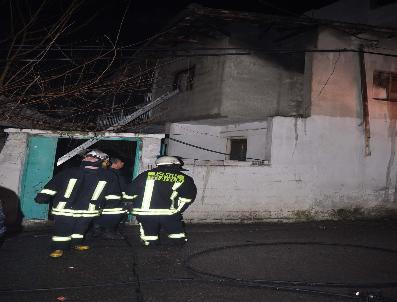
(12, 159)
(318, 171)
(203, 101)
(335, 85)
(256, 87)
(215, 138)
(150, 149)
(207, 137)
(318, 167)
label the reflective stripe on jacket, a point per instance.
(162, 191)
(80, 192)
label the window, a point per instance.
(238, 149)
(385, 86)
(183, 79)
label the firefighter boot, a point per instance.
(56, 254)
(81, 247)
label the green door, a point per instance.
(38, 171)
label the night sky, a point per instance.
(68, 73)
(145, 18)
(97, 18)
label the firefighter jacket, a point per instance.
(118, 206)
(162, 191)
(80, 192)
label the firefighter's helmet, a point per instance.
(98, 154)
(168, 161)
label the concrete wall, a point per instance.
(238, 87)
(318, 167)
(12, 160)
(318, 171)
(203, 101)
(335, 85)
(255, 87)
(190, 141)
(260, 85)
(205, 136)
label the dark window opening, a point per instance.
(385, 86)
(183, 80)
(238, 149)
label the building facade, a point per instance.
(303, 131)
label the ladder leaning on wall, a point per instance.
(118, 125)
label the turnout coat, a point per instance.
(164, 190)
(80, 192)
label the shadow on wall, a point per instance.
(11, 208)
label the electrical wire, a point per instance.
(208, 150)
(138, 291)
(195, 52)
(190, 267)
(298, 287)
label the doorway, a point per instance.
(43, 153)
(125, 149)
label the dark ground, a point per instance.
(329, 261)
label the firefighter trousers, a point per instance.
(151, 225)
(69, 231)
(109, 222)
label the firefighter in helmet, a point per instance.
(77, 195)
(163, 194)
(114, 211)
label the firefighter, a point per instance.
(114, 211)
(77, 195)
(163, 194)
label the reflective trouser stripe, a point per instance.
(177, 236)
(77, 236)
(113, 211)
(75, 211)
(70, 187)
(150, 238)
(60, 238)
(60, 211)
(74, 215)
(146, 238)
(160, 212)
(98, 190)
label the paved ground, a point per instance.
(327, 261)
